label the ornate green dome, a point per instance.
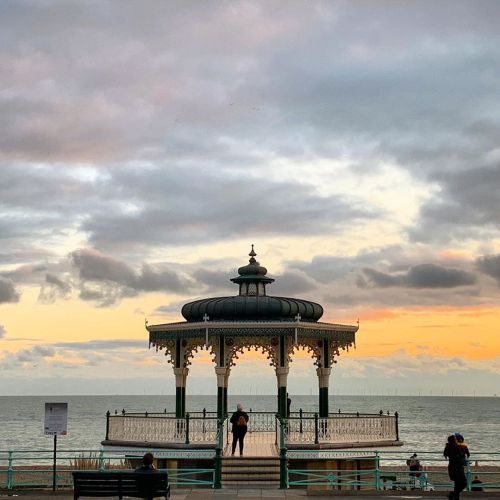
(252, 303)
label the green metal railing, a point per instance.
(368, 469)
(24, 469)
(387, 470)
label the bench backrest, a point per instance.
(120, 483)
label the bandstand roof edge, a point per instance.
(253, 328)
(187, 325)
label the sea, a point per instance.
(424, 421)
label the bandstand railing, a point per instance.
(161, 428)
(301, 428)
(338, 429)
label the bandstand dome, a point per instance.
(252, 303)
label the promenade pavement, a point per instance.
(255, 494)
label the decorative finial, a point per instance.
(252, 256)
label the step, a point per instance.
(257, 468)
(251, 484)
(250, 461)
(253, 472)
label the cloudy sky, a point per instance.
(146, 145)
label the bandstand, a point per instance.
(252, 319)
(226, 327)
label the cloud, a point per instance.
(490, 265)
(290, 283)
(106, 280)
(422, 276)
(180, 206)
(104, 345)
(53, 288)
(401, 364)
(104, 355)
(465, 206)
(248, 128)
(8, 292)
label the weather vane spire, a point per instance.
(252, 255)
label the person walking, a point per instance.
(456, 462)
(239, 419)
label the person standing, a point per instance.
(239, 419)
(415, 468)
(461, 444)
(456, 462)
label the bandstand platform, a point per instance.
(227, 326)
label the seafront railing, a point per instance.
(368, 469)
(387, 470)
(33, 469)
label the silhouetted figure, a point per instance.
(456, 462)
(239, 419)
(415, 468)
(147, 463)
(146, 486)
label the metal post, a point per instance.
(283, 459)
(187, 428)
(204, 417)
(316, 429)
(276, 431)
(468, 475)
(218, 454)
(10, 472)
(54, 469)
(300, 424)
(377, 471)
(107, 424)
(101, 460)
(397, 425)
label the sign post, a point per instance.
(55, 424)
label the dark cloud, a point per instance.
(169, 309)
(106, 280)
(8, 292)
(291, 283)
(53, 288)
(190, 207)
(104, 345)
(465, 207)
(421, 276)
(490, 265)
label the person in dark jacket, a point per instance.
(145, 486)
(239, 419)
(147, 463)
(456, 463)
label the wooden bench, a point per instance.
(121, 484)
